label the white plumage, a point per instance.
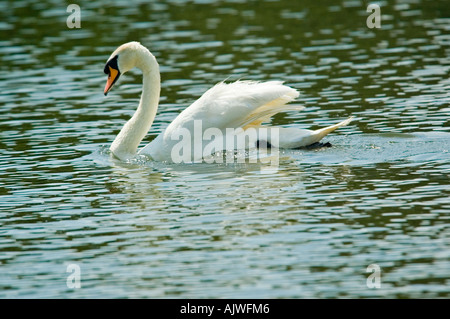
(242, 106)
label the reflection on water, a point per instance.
(146, 229)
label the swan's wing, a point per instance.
(238, 104)
(234, 105)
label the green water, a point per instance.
(380, 195)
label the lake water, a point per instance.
(310, 228)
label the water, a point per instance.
(146, 229)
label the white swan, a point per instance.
(242, 105)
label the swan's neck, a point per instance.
(127, 141)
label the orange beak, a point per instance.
(112, 77)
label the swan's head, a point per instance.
(123, 59)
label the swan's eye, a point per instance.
(111, 63)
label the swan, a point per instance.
(241, 105)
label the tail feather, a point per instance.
(320, 133)
(292, 137)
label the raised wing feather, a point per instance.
(237, 104)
